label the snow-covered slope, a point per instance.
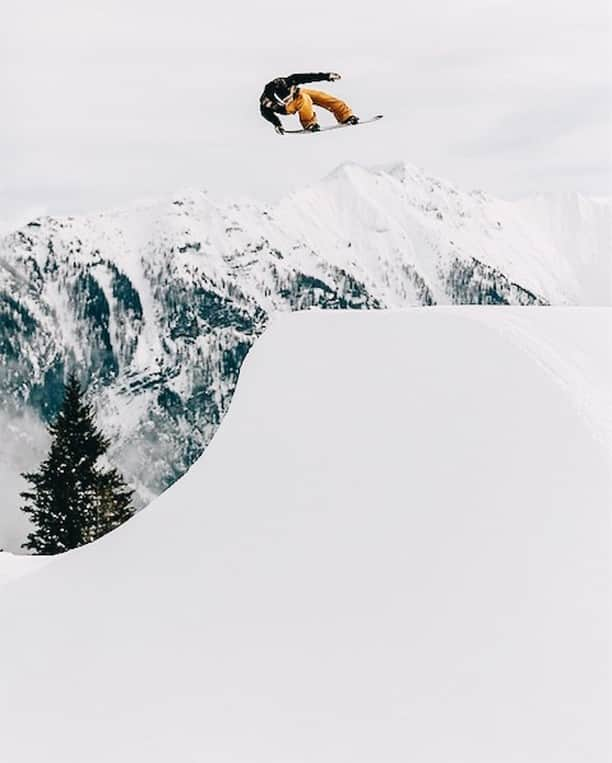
(156, 306)
(395, 549)
(13, 566)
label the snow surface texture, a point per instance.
(395, 549)
(13, 566)
(156, 306)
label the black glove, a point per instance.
(279, 129)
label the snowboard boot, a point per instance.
(352, 120)
(315, 127)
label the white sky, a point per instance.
(106, 102)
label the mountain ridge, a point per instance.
(156, 305)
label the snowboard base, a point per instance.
(335, 127)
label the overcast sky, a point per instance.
(107, 102)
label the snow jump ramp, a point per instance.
(395, 549)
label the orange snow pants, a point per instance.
(303, 105)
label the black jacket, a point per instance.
(270, 107)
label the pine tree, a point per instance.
(73, 500)
(111, 503)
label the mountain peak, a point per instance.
(156, 304)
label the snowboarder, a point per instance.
(284, 96)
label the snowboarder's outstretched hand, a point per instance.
(279, 129)
(334, 76)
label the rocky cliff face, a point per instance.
(157, 306)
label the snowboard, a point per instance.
(335, 127)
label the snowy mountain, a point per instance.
(395, 549)
(156, 306)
